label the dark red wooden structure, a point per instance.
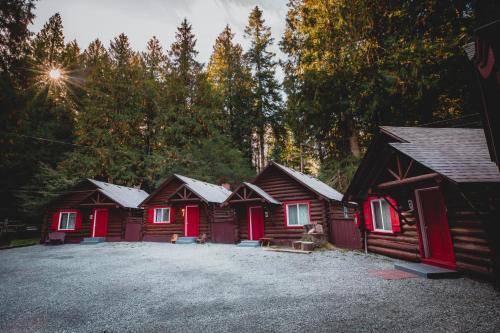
(484, 54)
(280, 200)
(193, 208)
(96, 209)
(428, 195)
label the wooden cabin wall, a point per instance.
(284, 189)
(242, 221)
(205, 216)
(224, 217)
(162, 232)
(116, 224)
(469, 232)
(401, 245)
(70, 201)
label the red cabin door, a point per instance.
(436, 238)
(100, 223)
(192, 221)
(255, 223)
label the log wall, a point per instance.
(402, 245)
(116, 224)
(70, 200)
(469, 231)
(117, 217)
(284, 189)
(162, 232)
(223, 227)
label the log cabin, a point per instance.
(95, 209)
(189, 208)
(428, 195)
(280, 201)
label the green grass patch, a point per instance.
(23, 242)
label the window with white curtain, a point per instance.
(381, 214)
(67, 221)
(297, 214)
(162, 215)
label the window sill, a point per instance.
(161, 222)
(382, 232)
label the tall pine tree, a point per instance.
(231, 81)
(265, 88)
(16, 164)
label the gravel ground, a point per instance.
(152, 287)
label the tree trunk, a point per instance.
(354, 144)
(351, 134)
(262, 149)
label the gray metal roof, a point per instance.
(206, 191)
(262, 193)
(460, 154)
(312, 183)
(127, 197)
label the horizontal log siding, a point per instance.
(469, 233)
(116, 224)
(284, 189)
(402, 245)
(222, 214)
(162, 232)
(70, 201)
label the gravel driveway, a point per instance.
(152, 287)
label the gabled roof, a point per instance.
(257, 190)
(310, 182)
(127, 197)
(262, 193)
(206, 191)
(182, 179)
(459, 154)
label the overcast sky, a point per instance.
(85, 20)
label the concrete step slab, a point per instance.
(186, 240)
(427, 271)
(92, 240)
(249, 243)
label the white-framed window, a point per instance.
(381, 215)
(162, 215)
(67, 220)
(297, 214)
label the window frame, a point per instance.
(378, 201)
(162, 208)
(296, 203)
(60, 220)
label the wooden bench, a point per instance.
(55, 238)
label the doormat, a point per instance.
(391, 274)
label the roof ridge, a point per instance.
(199, 181)
(116, 185)
(318, 186)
